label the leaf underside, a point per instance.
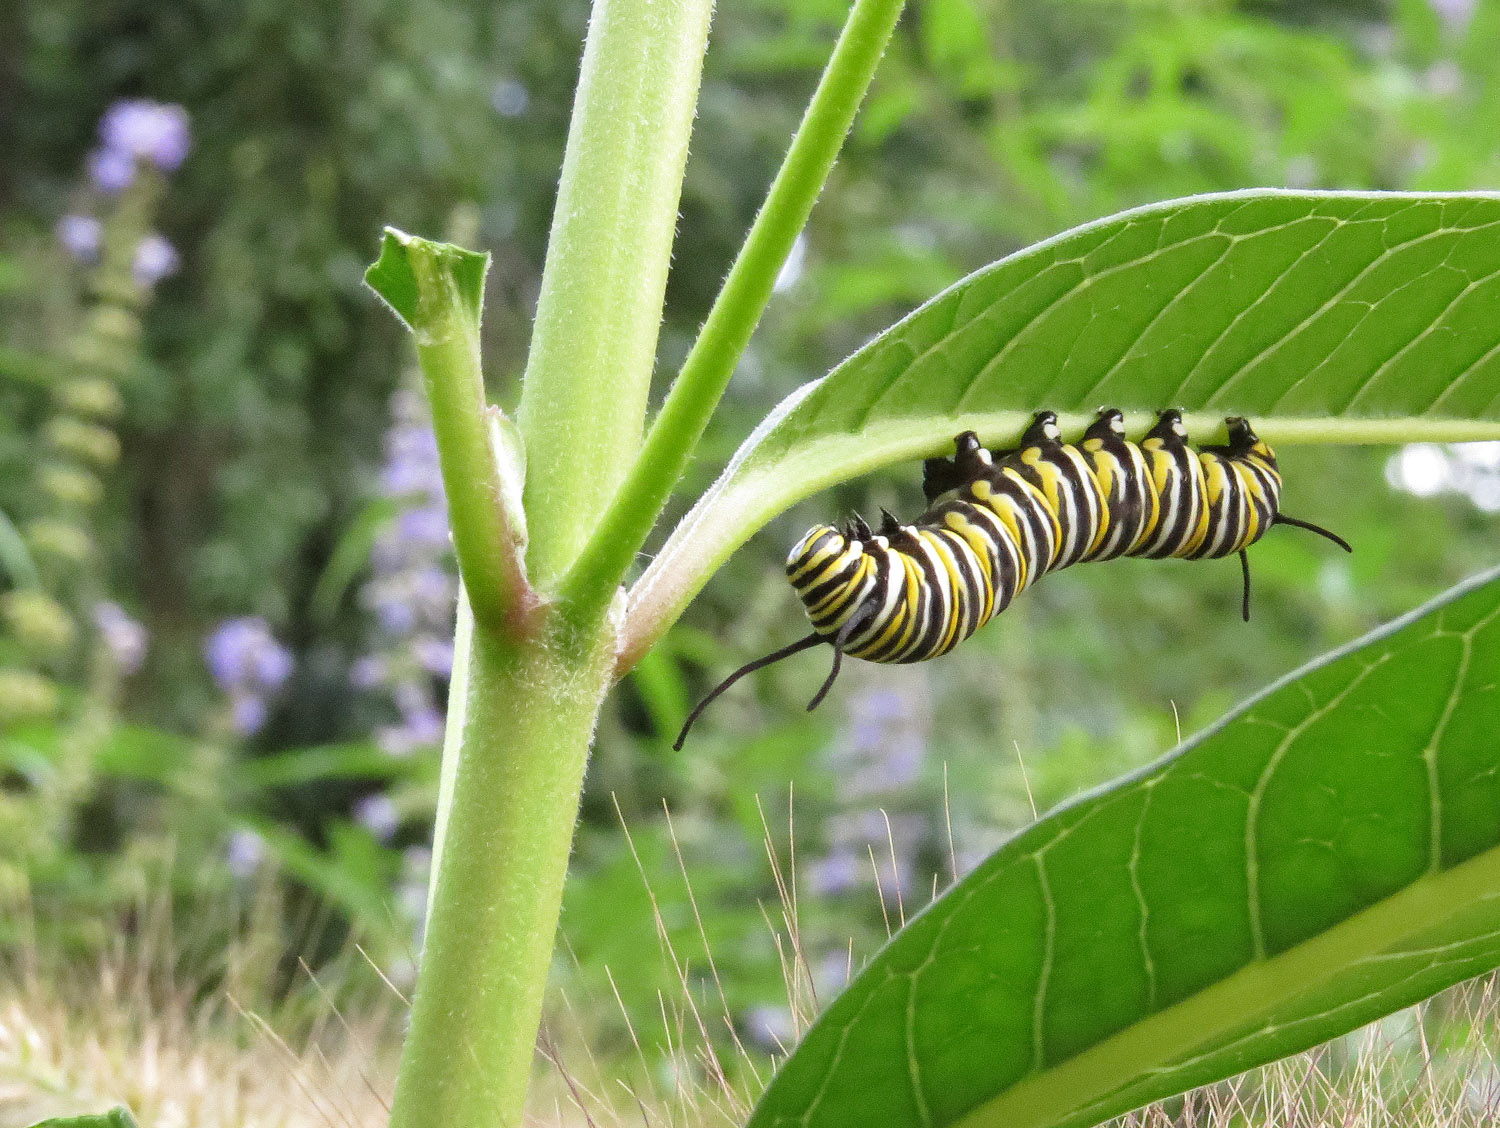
(1266, 304)
(1325, 316)
(1326, 855)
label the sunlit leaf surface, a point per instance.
(1326, 855)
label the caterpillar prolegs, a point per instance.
(996, 522)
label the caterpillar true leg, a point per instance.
(846, 632)
(1245, 601)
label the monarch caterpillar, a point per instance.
(996, 522)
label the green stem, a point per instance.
(527, 716)
(529, 702)
(446, 328)
(453, 729)
(738, 308)
(588, 374)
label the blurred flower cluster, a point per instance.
(412, 590)
(875, 765)
(124, 638)
(249, 665)
(134, 134)
(140, 141)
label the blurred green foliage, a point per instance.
(253, 423)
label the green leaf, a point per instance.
(27, 368)
(146, 754)
(956, 42)
(353, 873)
(15, 557)
(1324, 317)
(398, 280)
(349, 557)
(1327, 854)
(114, 1118)
(302, 767)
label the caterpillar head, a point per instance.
(819, 546)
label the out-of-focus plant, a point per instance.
(249, 666)
(70, 645)
(1170, 303)
(412, 588)
(141, 142)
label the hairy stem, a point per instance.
(529, 700)
(583, 402)
(740, 302)
(527, 719)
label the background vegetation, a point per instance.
(272, 524)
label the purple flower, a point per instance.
(432, 587)
(125, 639)
(509, 98)
(155, 259)
(244, 853)
(435, 655)
(837, 872)
(395, 614)
(146, 130)
(1455, 14)
(81, 236)
(412, 590)
(378, 814)
(770, 1027)
(427, 526)
(111, 170)
(367, 672)
(247, 713)
(412, 466)
(243, 655)
(412, 698)
(420, 728)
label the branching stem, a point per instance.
(737, 309)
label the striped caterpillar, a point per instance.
(997, 522)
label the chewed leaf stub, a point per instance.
(397, 282)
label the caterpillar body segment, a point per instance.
(997, 522)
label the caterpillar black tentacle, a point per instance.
(996, 522)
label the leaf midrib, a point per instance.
(1237, 1000)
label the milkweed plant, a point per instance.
(1325, 854)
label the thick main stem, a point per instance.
(530, 699)
(583, 400)
(528, 716)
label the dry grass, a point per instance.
(137, 1030)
